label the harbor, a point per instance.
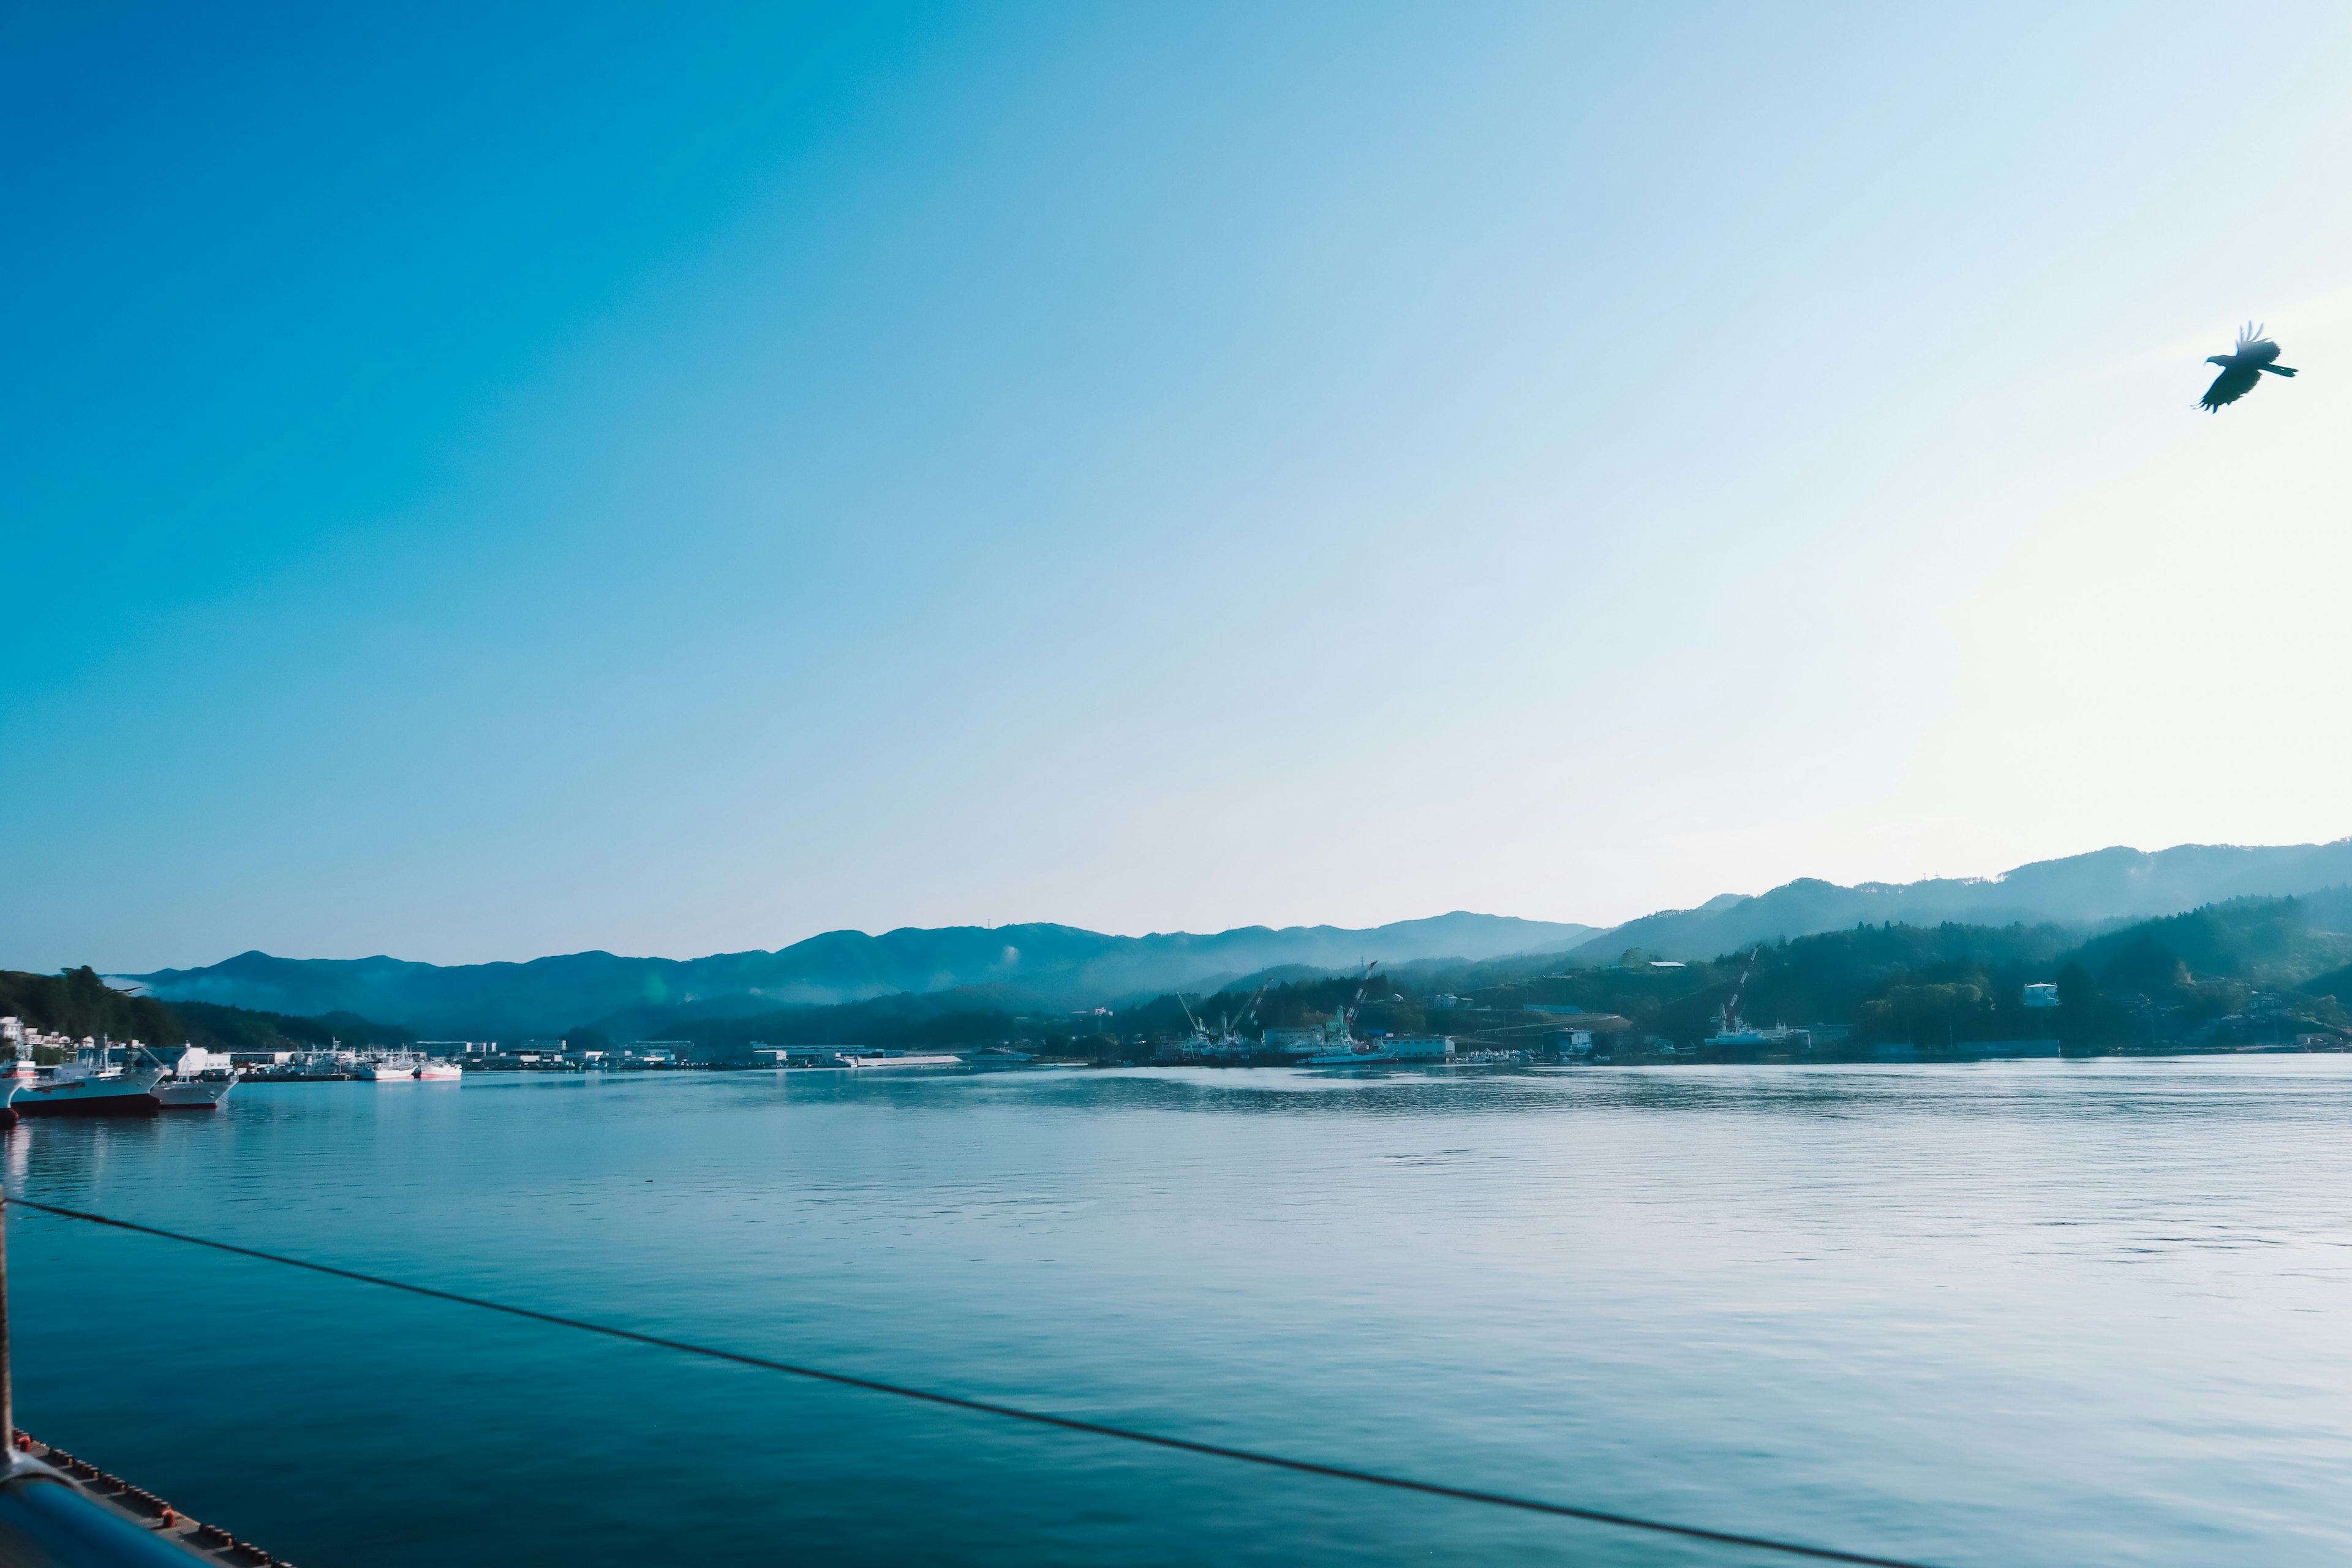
(104, 1078)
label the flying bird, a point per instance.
(2241, 370)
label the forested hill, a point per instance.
(79, 1004)
(1054, 964)
(2228, 974)
(2079, 890)
(2218, 977)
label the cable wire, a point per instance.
(1009, 1412)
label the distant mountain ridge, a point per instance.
(1042, 966)
(1055, 964)
(2078, 890)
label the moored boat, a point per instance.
(438, 1072)
(93, 1084)
(204, 1092)
(389, 1069)
(195, 1079)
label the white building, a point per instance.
(1573, 1044)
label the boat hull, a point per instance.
(59, 1099)
(196, 1094)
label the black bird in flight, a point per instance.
(2240, 371)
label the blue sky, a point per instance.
(491, 481)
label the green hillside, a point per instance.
(2245, 972)
(78, 1003)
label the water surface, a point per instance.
(2046, 1312)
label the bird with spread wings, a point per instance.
(2255, 353)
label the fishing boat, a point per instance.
(438, 1072)
(901, 1059)
(198, 1079)
(95, 1084)
(395, 1069)
(205, 1091)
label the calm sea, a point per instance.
(2047, 1312)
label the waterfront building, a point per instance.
(1417, 1048)
(1571, 1044)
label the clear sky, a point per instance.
(484, 481)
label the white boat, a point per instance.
(389, 1069)
(204, 1092)
(903, 1060)
(438, 1072)
(95, 1084)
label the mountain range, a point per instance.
(2079, 890)
(1032, 965)
(1055, 966)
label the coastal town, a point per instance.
(48, 1072)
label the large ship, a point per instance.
(95, 1084)
(438, 1071)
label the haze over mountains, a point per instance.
(1051, 966)
(2079, 890)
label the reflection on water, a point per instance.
(2044, 1312)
